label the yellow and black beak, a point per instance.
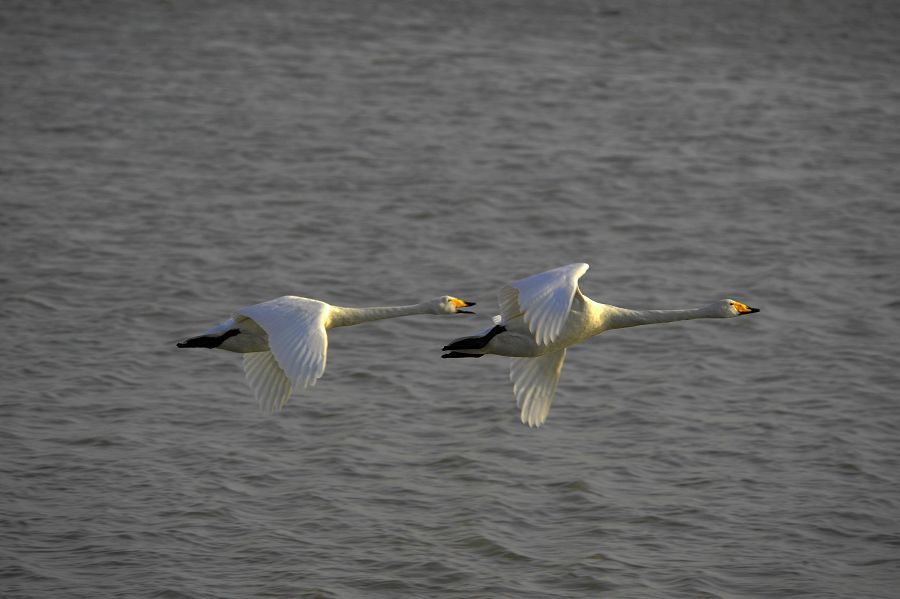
(744, 308)
(462, 304)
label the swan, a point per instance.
(543, 315)
(285, 340)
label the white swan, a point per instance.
(285, 340)
(542, 315)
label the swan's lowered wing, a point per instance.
(297, 340)
(534, 384)
(268, 381)
(543, 299)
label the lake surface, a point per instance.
(165, 163)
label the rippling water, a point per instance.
(163, 163)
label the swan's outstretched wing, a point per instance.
(268, 381)
(534, 384)
(544, 299)
(297, 337)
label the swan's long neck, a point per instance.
(345, 317)
(620, 318)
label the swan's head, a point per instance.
(449, 305)
(729, 308)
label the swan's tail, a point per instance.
(208, 341)
(474, 342)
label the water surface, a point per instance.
(163, 164)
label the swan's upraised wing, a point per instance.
(543, 299)
(534, 384)
(298, 343)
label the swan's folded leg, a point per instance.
(268, 381)
(209, 341)
(456, 354)
(475, 342)
(534, 384)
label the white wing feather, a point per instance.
(543, 299)
(534, 384)
(270, 386)
(496, 319)
(297, 336)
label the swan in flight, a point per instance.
(542, 315)
(285, 340)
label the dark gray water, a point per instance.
(163, 163)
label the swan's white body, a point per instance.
(543, 315)
(285, 341)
